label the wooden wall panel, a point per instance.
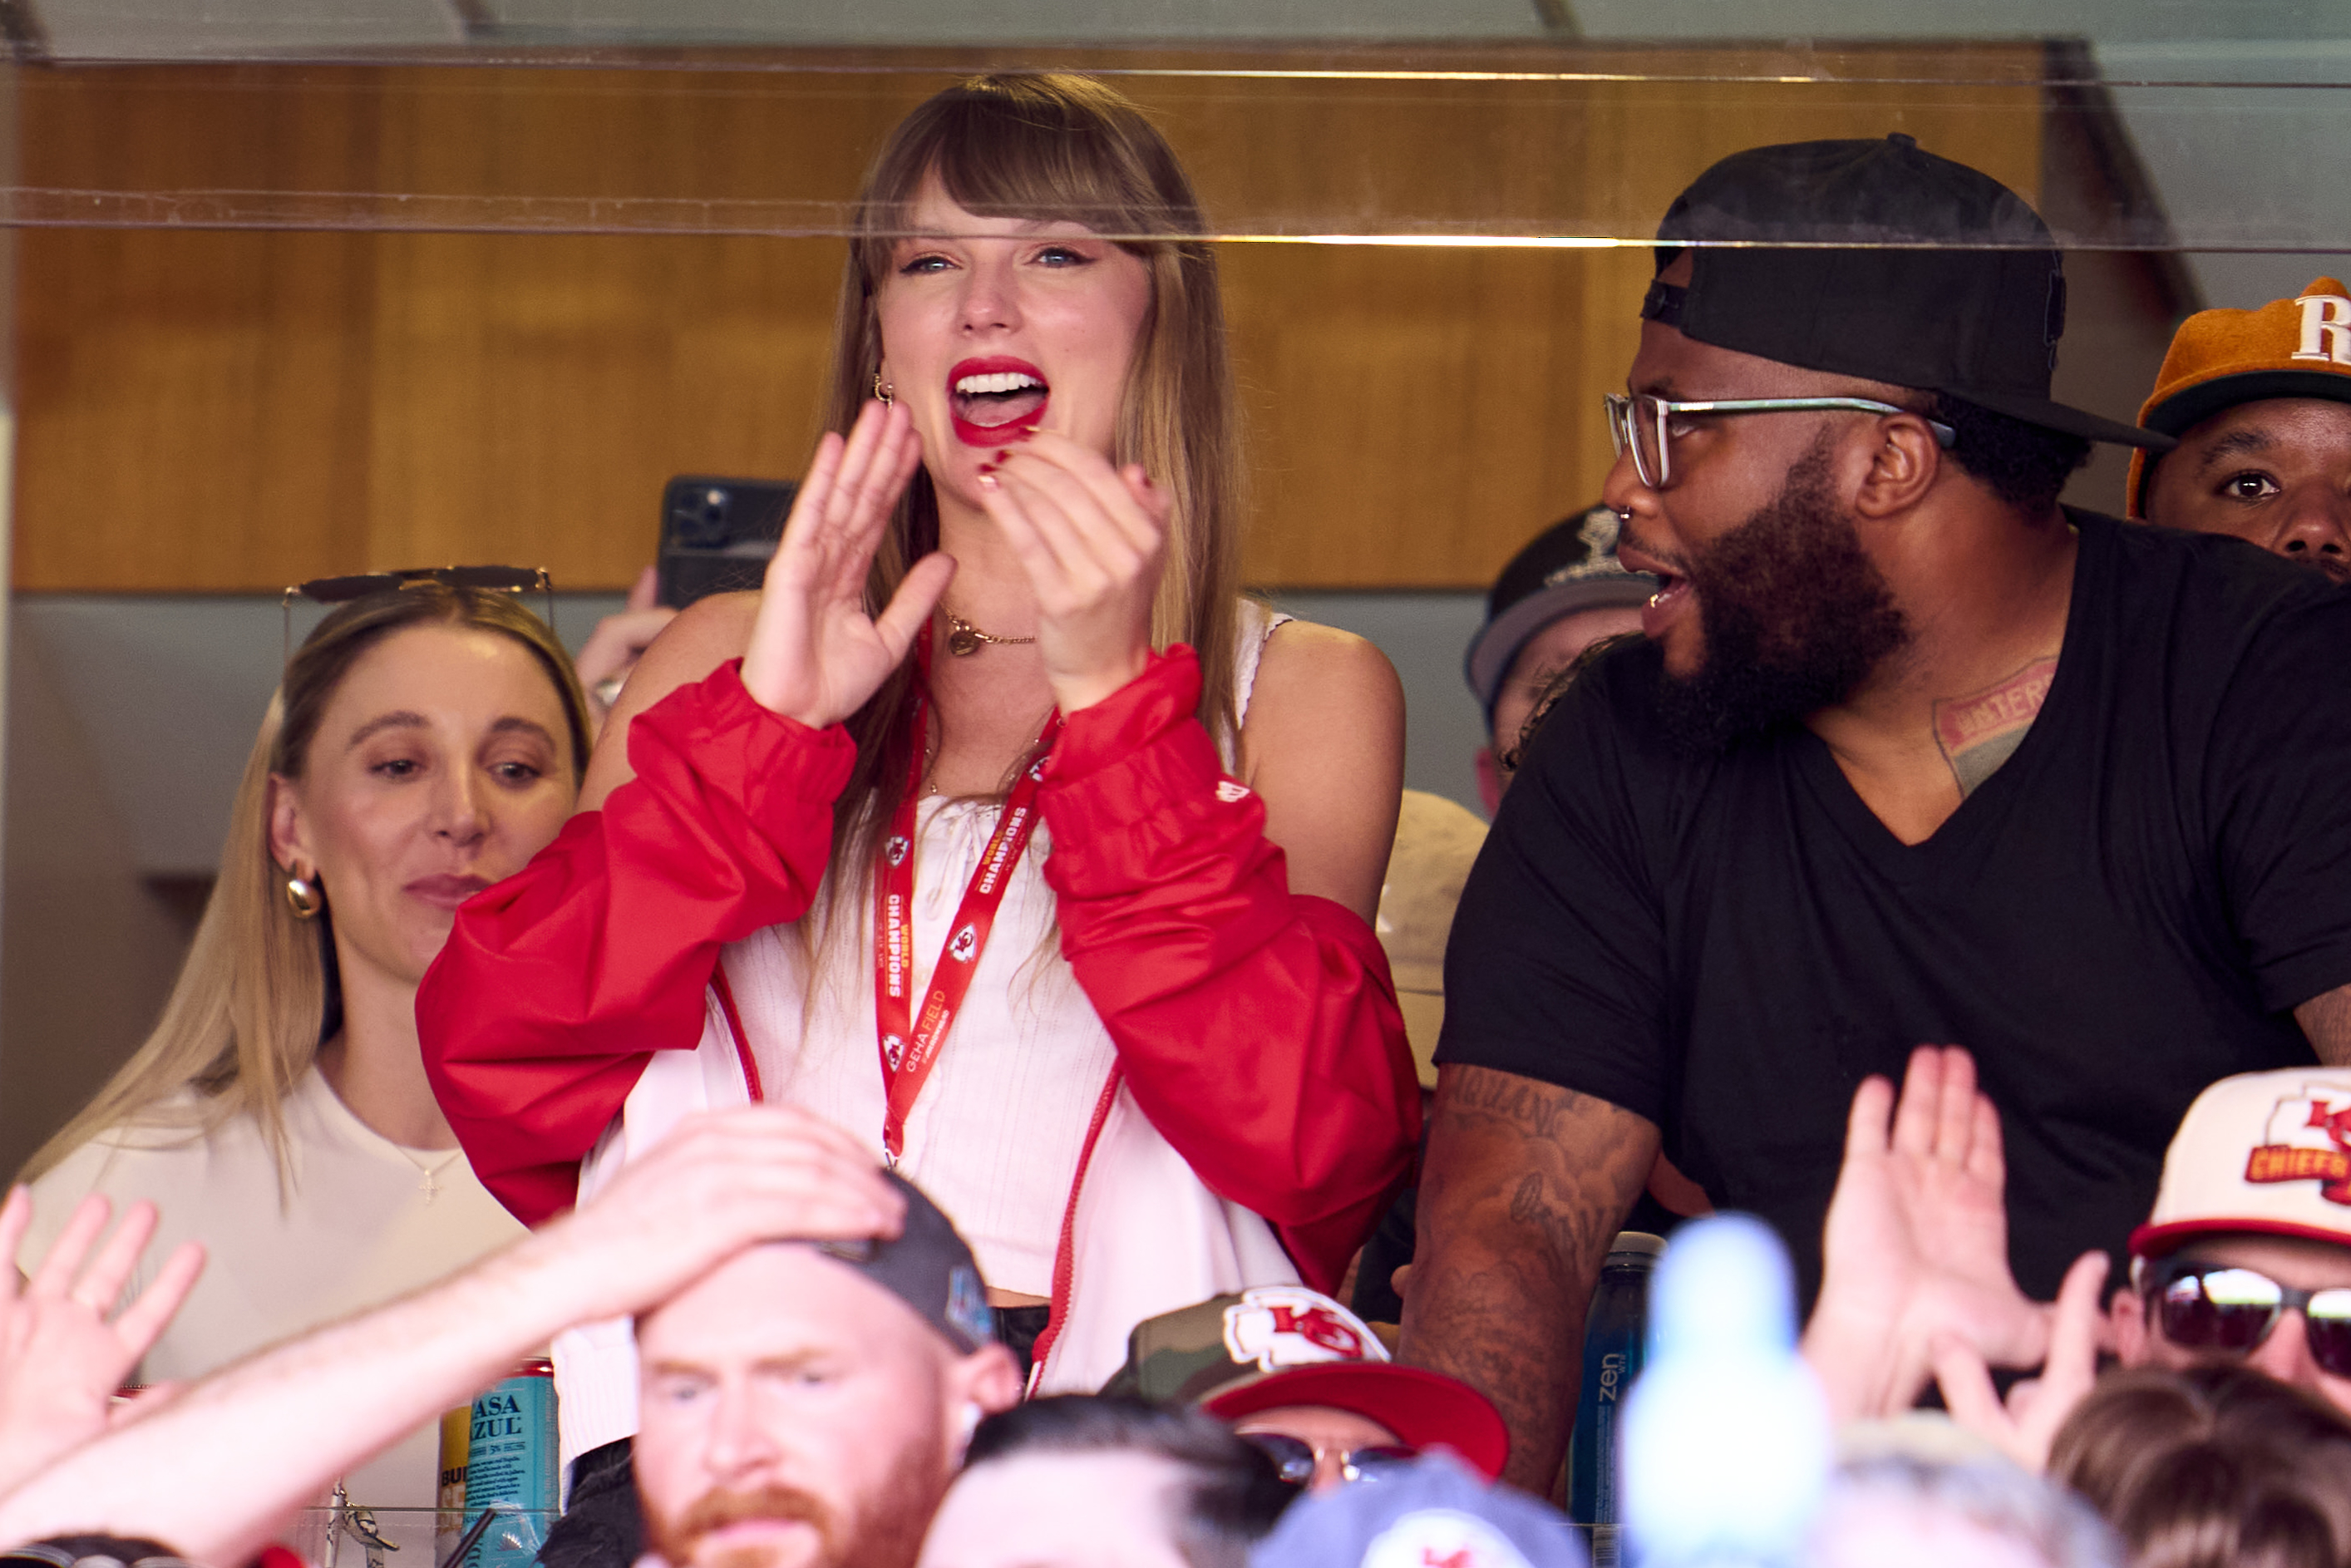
(222, 411)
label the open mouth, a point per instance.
(994, 401)
(1674, 591)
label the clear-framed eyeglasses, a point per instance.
(1643, 423)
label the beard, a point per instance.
(1796, 616)
(884, 1529)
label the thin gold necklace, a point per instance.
(964, 639)
(429, 1186)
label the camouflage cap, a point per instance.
(1278, 1346)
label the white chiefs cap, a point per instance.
(2265, 1152)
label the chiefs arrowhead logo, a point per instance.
(1442, 1538)
(893, 1050)
(1276, 1326)
(965, 943)
(2308, 1139)
(894, 849)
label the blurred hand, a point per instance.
(2027, 1424)
(619, 641)
(721, 1181)
(1915, 1248)
(815, 655)
(63, 1349)
(1091, 537)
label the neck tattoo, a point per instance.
(1979, 732)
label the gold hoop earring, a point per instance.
(304, 898)
(884, 389)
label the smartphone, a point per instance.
(718, 534)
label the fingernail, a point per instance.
(1024, 432)
(988, 481)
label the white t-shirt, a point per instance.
(356, 1228)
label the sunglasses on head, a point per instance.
(361, 585)
(1294, 1458)
(2217, 1306)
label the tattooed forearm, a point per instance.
(1525, 1186)
(2325, 1018)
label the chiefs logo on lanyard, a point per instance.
(911, 1049)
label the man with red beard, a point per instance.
(805, 1405)
(1909, 754)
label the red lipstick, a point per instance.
(1024, 414)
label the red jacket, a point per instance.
(1257, 1028)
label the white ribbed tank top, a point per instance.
(995, 1136)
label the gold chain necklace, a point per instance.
(964, 639)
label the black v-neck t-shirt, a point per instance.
(2128, 910)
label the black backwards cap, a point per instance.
(927, 1266)
(1881, 260)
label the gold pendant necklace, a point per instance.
(964, 639)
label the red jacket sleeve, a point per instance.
(559, 983)
(1258, 1028)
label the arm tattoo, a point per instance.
(1525, 1186)
(1979, 732)
(2325, 1018)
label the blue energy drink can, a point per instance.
(510, 1467)
(1615, 1337)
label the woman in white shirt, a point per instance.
(426, 742)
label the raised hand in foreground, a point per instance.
(64, 1347)
(2025, 1426)
(1914, 1255)
(218, 1470)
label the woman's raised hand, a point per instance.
(815, 655)
(1091, 537)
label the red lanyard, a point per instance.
(910, 1049)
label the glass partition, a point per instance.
(309, 286)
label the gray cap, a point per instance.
(1569, 567)
(927, 1266)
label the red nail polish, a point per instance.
(1024, 432)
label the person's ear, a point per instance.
(1489, 779)
(2128, 1328)
(289, 843)
(989, 1379)
(1903, 466)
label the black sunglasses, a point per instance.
(1294, 1458)
(361, 585)
(2215, 1306)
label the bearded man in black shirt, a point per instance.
(1909, 755)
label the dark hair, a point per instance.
(2213, 1467)
(1229, 1495)
(2025, 465)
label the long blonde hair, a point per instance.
(1057, 146)
(256, 997)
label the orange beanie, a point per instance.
(2219, 358)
